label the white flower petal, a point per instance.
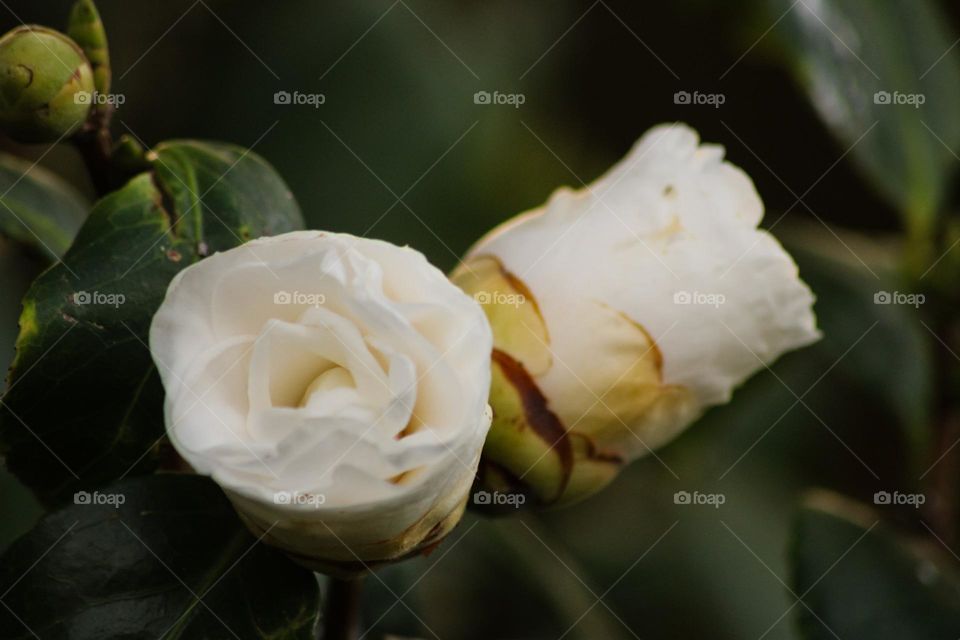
(342, 370)
(671, 220)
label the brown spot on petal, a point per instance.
(434, 537)
(654, 349)
(539, 417)
(520, 287)
(593, 454)
(363, 563)
(402, 477)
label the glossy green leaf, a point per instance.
(38, 208)
(884, 78)
(863, 582)
(158, 556)
(85, 321)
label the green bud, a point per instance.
(86, 29)
(129, 155)
(45, 84)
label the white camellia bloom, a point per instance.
(335, 387)
(623, 310)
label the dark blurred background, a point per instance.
(399, 150)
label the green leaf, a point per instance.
(19, 507)
(863, 582)
(844, 52)
(173, 561)
(37, 208)
(85, 321)
(882, 347)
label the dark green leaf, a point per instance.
(882, 347)
(172, 561)
(845, 51)
(863, 582)
(17, 269)
(38, 208)
(84, 327)
(20, 509)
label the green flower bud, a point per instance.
(45, 84)
(87, 30)
(129, 155)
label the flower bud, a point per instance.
(622, 311)
(45, 85)
(86, 29)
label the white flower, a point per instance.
(623, 310)
(335, 387)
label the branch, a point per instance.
(95, 144)
(341, 613)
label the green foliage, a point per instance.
(84, 326)
(170, 560)
(856, 59)
(17, 269)
(882, 347)
(38, 208)
(860, 581)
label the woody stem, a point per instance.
(341, 613)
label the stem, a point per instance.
(95, 144)
(942, 511)
(341, 613)
(942, 480)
